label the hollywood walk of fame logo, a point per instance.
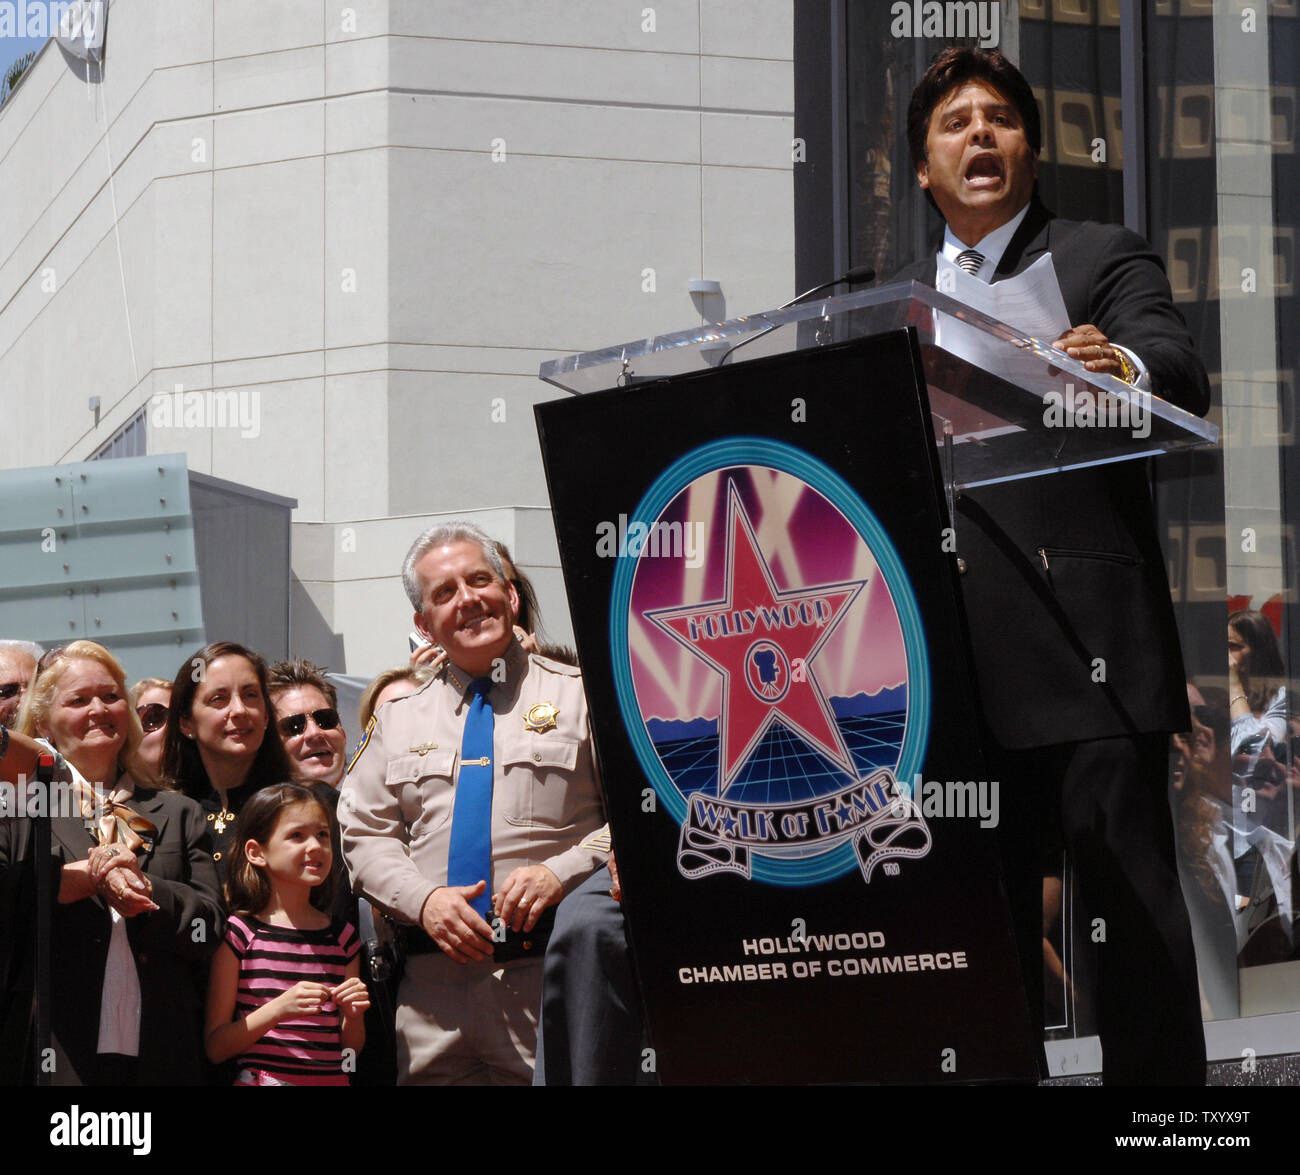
(777, 691)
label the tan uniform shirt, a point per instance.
(395, 807)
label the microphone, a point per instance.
(854, 277)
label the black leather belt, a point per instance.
(529, 944)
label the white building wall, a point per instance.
(370, 223)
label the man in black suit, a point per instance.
(1065, 596)
(1070, 625)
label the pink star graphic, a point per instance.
(763, 642)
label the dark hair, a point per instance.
(530, 615)
(1265, 655)
(247, 889)
(952, 68)
(564, 653)
(181, 760)
(1262, 671)
(297, 672)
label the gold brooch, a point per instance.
(422, 748)
(221, 819)
(540, 717)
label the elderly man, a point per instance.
(17, 667)
(1072, 633)
(464, 814)
(307, 713)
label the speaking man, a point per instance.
(464, 814)
(1072, 632)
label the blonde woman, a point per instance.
(137, 910)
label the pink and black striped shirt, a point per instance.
(306, 1050)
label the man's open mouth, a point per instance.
(984, 169)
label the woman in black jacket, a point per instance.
(137, 911)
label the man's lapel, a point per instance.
(922, 271)
(1028, 244)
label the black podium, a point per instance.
(753, 523)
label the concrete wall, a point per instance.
(367, 225)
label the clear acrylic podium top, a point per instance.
(1004, 405)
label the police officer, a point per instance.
(464, 816)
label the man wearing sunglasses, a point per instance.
(306, 711)
(17, 665)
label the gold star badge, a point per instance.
(540, 717)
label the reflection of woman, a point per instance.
(138, 908)
(1256, 690)
(221, 745)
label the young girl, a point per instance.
(286, 995)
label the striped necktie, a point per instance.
(469, 856)
(970, 261)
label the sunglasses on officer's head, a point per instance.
(152, 716)
(293, 725)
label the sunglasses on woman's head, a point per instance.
(152, 716)
(47, 659)
(294, 724)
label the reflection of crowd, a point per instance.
(1234, 786)
(1263, 789)
(1235, 780)
(195, 860)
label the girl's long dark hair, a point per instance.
(248, 890)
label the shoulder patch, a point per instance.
(362, 743)
(559, 668)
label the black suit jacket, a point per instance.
(172, 945)
(1065, 592)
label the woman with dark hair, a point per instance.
(1256, 688)
(529, 616)
(222, 745)
(138, 911)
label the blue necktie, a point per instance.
(469, 858)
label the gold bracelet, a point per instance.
(1127, 372)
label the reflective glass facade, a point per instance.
(1177, 118)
